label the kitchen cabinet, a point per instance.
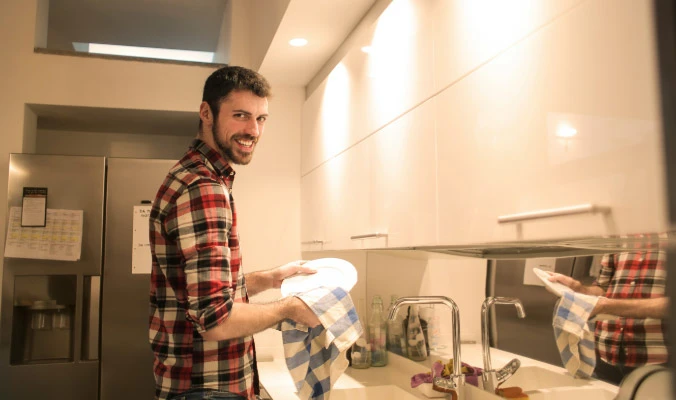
(506, 142)
(403, 177)
(339, 192)
(560, 112)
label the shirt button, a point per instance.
(632, 283)
(232, 173)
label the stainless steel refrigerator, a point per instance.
(78, 329)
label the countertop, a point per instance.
(277, 381)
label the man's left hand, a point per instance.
(277, 275)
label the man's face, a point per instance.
(239, 125)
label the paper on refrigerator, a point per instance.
(141, 261)
(60, 238)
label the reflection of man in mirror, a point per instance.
(632, 286)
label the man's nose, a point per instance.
(253, 129)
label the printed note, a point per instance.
(141, 261)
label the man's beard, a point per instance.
(227, 149)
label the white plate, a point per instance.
(554, 287)
(559, 289)
(331, 272)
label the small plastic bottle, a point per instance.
(378, 333)
(396, 339)
(361, 349)
(415, 339)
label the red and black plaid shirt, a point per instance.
(639, 274)
(196, 277)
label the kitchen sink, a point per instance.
(531, 378)
(390, 392)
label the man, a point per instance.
(201, 322)
(631, 286)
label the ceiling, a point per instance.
(324, 23)
(170, 24)
(194, 25)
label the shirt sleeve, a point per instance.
(607, 271)
(201, 224)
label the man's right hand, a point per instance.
(301, 313)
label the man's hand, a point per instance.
(277, 275)
(573, 284)
(260, 281)
(301, 313)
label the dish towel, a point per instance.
(316, 357)
(573, 337)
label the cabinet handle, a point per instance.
(553, 212)
(369, 236)
(313, 242)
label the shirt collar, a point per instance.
(214, 157)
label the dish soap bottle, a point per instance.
(378, 333)
(415, 339)
(396, 340)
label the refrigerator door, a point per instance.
(532, 336)
(126, 357)
(41, 347)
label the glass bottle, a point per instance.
(378, 333)
(396, 340)
(415, 339)
(361, 349)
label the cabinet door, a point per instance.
(312, 213)
(567, 117)
(336, 198)
(403, 168)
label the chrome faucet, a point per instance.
(457, 379)
(492, 378)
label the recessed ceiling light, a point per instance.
(366, 49)
(298, 42)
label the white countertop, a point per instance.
(277, 381)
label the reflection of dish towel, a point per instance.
(573, 337)
(316, 357)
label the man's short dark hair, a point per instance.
(231, 78)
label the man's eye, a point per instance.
(240, 116)
(262, 119)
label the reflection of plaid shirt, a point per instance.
(196, 277)
(637, 274)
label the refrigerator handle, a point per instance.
(91, 318)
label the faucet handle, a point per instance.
(508, 370)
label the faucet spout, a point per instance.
(457, 378)
(492, 378)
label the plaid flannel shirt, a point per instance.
(196, 277)
(636, 274)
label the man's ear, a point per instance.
(206, 115)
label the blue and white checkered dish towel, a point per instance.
(316, 357)
(573, 337)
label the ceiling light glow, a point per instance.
(566, 131)
(298, 42)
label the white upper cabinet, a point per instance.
(569, 116)
(388, 72)
(469, 33)
(470, 110)
(403, 176)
